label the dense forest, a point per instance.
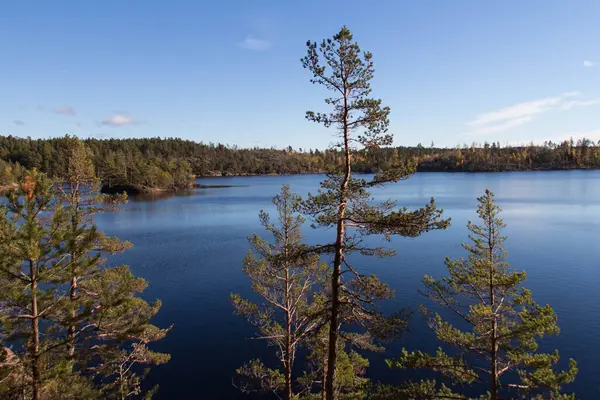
(154, 163)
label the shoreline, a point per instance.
(130, 190)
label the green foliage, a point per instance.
(501, 346)
(70, 328)
(253, 376)
(283, 274)
(350, 378)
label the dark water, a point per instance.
(189, 247)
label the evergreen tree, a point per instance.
(31, 232)
(500, 349)
(83, 242)
(284, 275)
(343, 201)
(69, 321)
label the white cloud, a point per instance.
(521, 113)
(254, 44)
(18, 122)
(520, 110)
(64, 111)
(579, 103)
(511, 123)
(119, 120)
(588, 63)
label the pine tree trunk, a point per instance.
(336, 277)
(71, 333)
(494, 345)
(289, 359)
(76, 200)
(35, 328)
(494, 360)
(288, 382)
(334, 324)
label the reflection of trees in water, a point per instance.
(197, 190)
(155, 196)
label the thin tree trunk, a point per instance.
(336, 277)
(494, 360)
(289, 359)
(288, 368)
(75, 199)
(494, 345)
(35, 328)
(71, 333)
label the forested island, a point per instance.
(146, 164)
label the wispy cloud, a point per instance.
(579, 103)
(64, 111)
(588, 63)
(118, 120)
(511, 123)
(520, 110)
(522, 113)
(255, 44)
(18, 122)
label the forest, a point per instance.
(167, 164)
(76, 327)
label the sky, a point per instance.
(229, 72)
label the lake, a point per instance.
(190, 248)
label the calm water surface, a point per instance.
(189, 247)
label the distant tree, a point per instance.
(343, 202)
(284, 275)
(500, 349)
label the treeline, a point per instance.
(154, 163)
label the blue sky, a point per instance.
(452, 71)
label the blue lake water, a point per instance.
(190, 248)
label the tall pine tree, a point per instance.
(499, 351)
(344, 202)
